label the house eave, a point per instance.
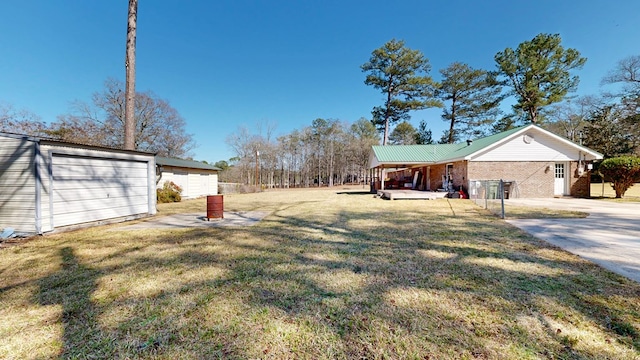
(596, 155)
(404, 164)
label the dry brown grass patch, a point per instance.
(329, 274)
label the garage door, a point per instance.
(90, 189)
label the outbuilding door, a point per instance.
(559, 184)
(204, 184)
(88, 189)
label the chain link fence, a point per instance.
(490, 194)
(236, 188)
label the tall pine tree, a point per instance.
(538, 72)
(401, 74)
(472, 98)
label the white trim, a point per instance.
(38, 182)
(151, 185)
(566, 166)
(594, 154)
(97, 154)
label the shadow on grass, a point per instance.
(412, 283)
(391, 259)
(287, 269)
(363, 192)
(71, 288)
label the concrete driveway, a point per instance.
(609, 236)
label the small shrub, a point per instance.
(170, 192)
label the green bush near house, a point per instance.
(169, 193)
(623, 171)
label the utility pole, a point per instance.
(257, 157)
(130, 86)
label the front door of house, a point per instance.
(559, 179)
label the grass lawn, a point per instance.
(632, 194)
(330, 274)
(521, 212)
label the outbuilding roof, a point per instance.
(165, 161)
(51, 141)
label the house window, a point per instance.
(559, 174)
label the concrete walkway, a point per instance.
(400, 194)
(609, 236)
(197, 220)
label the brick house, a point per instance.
(537, 162)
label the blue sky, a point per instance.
(229, 63)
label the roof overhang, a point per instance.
(185, 164)
(48, 141)
(398, 165)
(586, 152)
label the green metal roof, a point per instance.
(407, 154)
(165, 161)
(464, 149)
(411, 153)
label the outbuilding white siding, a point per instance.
(50, 184)
(195, 178)
(17, 184)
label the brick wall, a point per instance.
(580, 185)
(533, 179)
(459, 175)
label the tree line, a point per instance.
(326, 153)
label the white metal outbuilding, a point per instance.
(195, 178)
(47, 184)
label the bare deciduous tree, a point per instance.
(159, 127)
(626, 71)
(570, 117)
(20, 121)
(329, 152)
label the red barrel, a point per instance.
(215, 207)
